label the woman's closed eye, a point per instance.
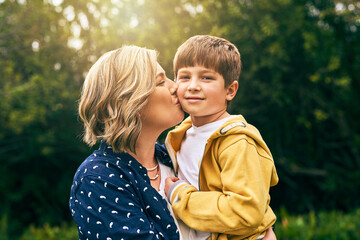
(160, 83)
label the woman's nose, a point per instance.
(171, 83)
(172, 86)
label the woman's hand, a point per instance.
(169, 182)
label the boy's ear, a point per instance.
(232, 90)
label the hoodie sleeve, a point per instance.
(242, 203)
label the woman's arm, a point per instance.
(104, 210)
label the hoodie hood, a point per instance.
(233, 126)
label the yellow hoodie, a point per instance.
(236, 173)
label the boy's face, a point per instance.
(202, 93)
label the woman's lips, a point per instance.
(175, 99)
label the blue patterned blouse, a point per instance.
(111, 198)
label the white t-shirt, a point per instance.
(189, 158)
(165, 173)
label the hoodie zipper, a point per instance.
(202, 158)
(211, 234)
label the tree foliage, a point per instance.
(299, 85)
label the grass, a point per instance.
(333, 225)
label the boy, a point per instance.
(226, 165)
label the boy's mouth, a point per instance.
(193, 99)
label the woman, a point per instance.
(126, 102)
(118, 191)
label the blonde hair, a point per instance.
(211, 52)
(115, 90)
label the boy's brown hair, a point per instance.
(211, 52)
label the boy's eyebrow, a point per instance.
(207, 71)
(183, 70)
(201, 71)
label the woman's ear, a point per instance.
(232, 90)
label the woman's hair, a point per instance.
(211, 52)
(115, 90)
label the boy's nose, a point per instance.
(193, 85)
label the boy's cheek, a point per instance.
(181, 88)
(181, 101)
(180, 92)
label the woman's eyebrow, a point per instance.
(162, 74)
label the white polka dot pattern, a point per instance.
(111, 198)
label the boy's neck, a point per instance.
(202, 120)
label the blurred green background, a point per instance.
(299, 85)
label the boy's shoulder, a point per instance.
(235, 123)
(235, 126)
(237, 129)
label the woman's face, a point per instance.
(163, 109)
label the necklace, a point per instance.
(152, 169)
(157, 172)
(154, 178)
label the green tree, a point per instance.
(46, 49)
(39, 147)
(299, 86)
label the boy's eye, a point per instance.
(207, 78)
(183, 77)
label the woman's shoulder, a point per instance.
(116, 169)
